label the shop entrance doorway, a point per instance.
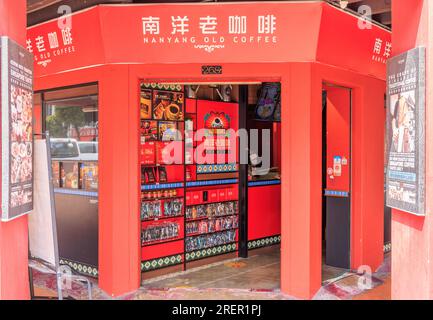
(336, 207)
(211, 216)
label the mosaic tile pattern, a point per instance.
(160, 263)
(159, 86)
(217, 168)
(206, 253)
(265, 242)
(81, 268)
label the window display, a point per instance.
(168, 105)
(155, 233)
(211, 240)
(89, 176)
(72, 120)
(178, 218)
(146, 104)
(149, 131)
(212, 225)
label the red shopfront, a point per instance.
(319, 47)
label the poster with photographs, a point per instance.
(146, 104)
(17, 135)
(269, 104)
(168, 105)
(168, 131)
(405, 131)
(148, 131)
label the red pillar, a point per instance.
(301, 183)
(14, 281)
(119, 235)
(412, 237)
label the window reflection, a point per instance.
(73, 127)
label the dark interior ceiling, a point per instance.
(43, 10)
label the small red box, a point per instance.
(231, 194)
(222, 195)
(147, 153)
(197, 197)
(188, 198)
(213, 195)
(169, 152)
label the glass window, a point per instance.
(71, 118)
(73, 127)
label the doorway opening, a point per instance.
(336, 180)
(210, 218)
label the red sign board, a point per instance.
(208, 34)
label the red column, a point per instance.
(412, 237)
(119, 235)
(301, 183)
(14, 281)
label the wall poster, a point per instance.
(405, 127)
(17, 131)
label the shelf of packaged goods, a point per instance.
(207, 183)
(162, 218)
(211, 218)
(152, 187)
(193, 235)
(206, 203)
(210, 247)
(149, 244)
(161, 199)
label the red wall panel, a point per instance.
(412, 236)
(338, 139)
(264, 212)
(14, 234)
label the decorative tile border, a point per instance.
(211, 183)
(264, 183)
(160, 263)
(81, 268)
(161, 86)
(210, 252)
(265, 242)
(216, 168)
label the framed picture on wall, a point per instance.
(146, 104)
(168, 105)
(168, 131)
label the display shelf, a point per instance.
(211, 218)
(197, 234)
(208, 183)
(147, 187)
(162, 242)
(162, 199)
(264, 183)
(162, 218)
(183, 176)
(211, 202)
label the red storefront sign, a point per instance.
(206, 34)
